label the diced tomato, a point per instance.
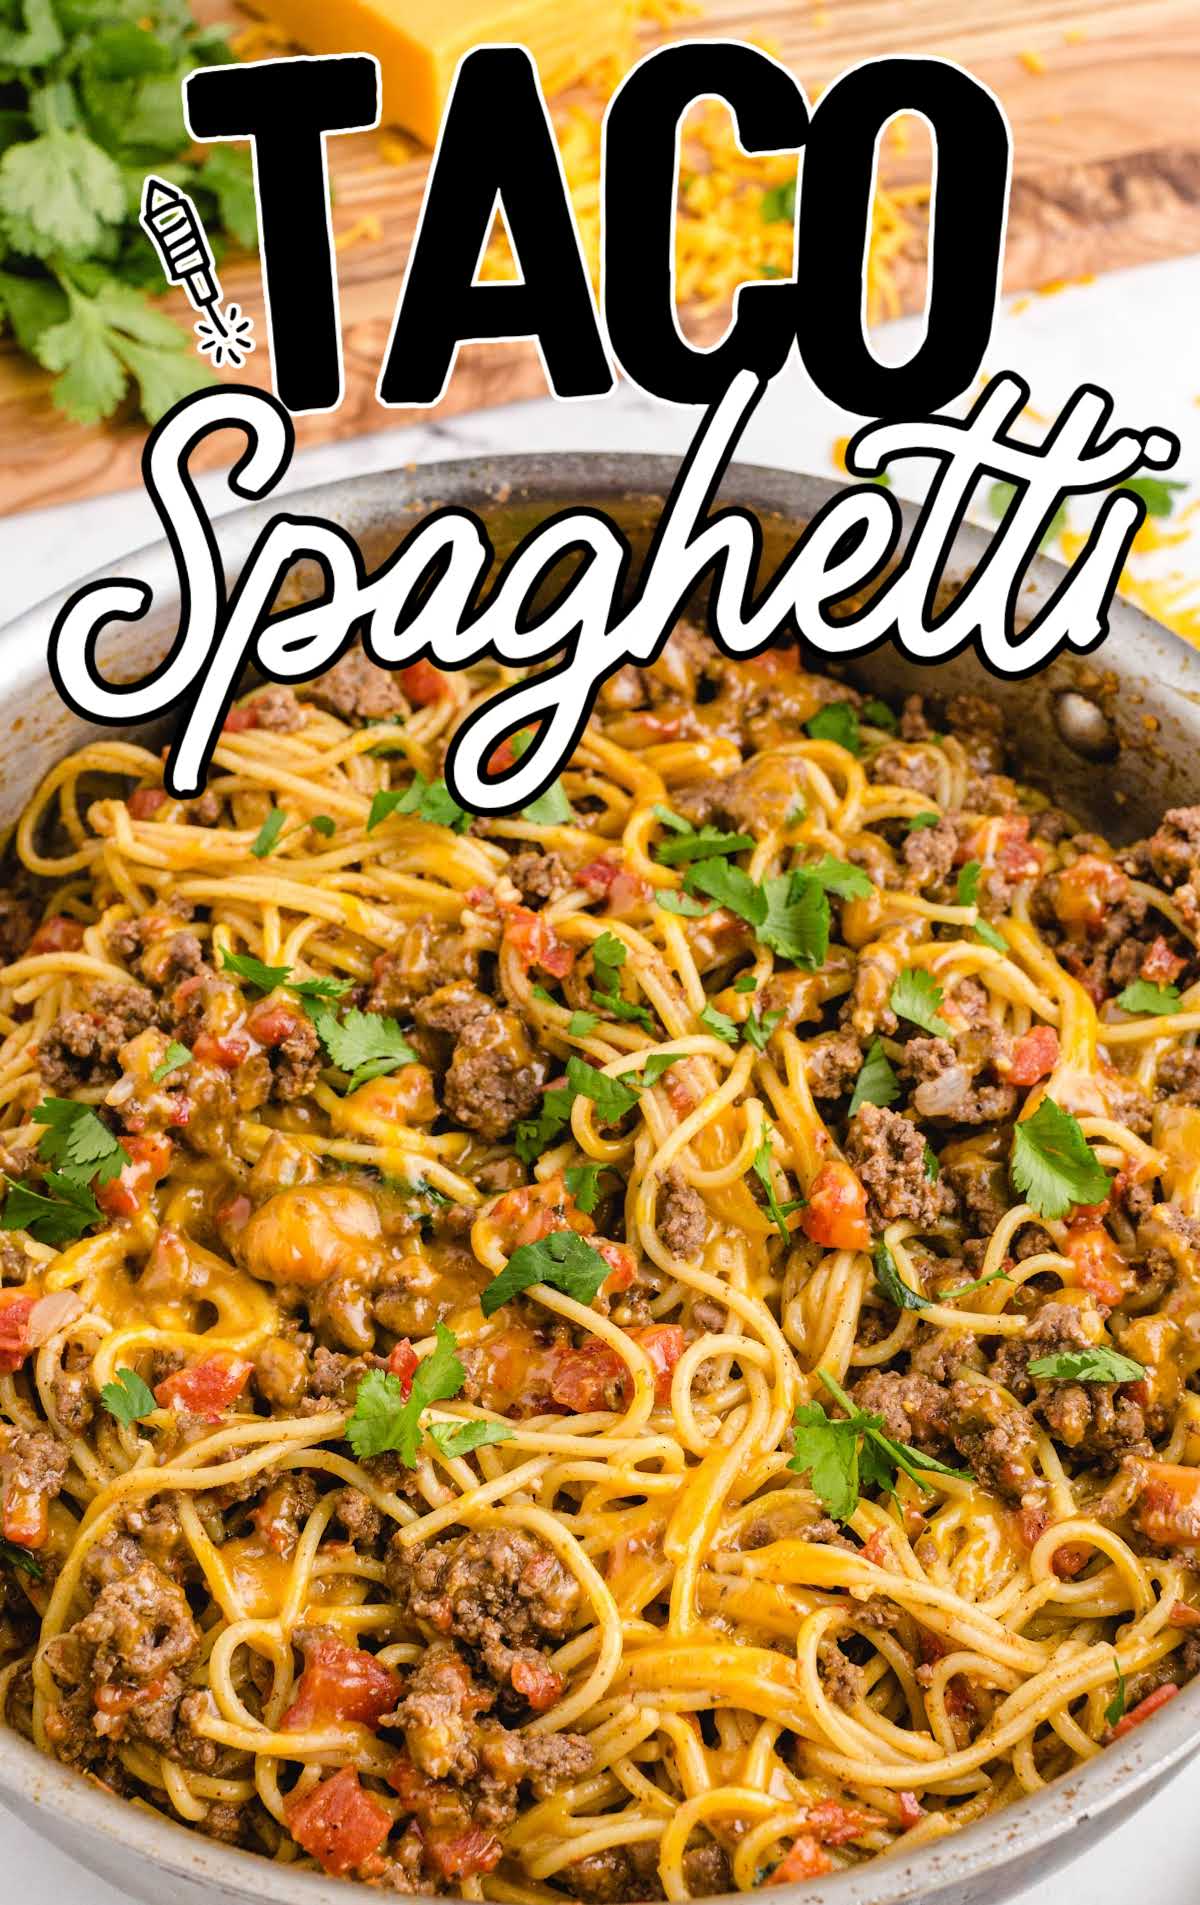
(15, 1312)
(458, 1855)
(598, 875)
(1033, 1523)
(228, 1051)
(831, 1823)
(240, 720)
(836, 1212)
(423, 683)
(1168, 1511)
(1035, 1055)
(911, 1811)
(622, 1262)
(340, 1683)
(338, 1823)
(663, 1345)
(149, 1160)
(56, 934)
(526, 1215)
(271, 1022)
(805, 1861)
(403, 1363)
(145, 801)
(537, 1683)
(1087, 891)
(1183, 1614)
(1145, 1708)
(1100, 1267)
(1016, 855)
(679, 1093)
(113, 1703)
(588, 1379)
(1161, 966)
(206, 1389)
(536, 943)
(877, 1549)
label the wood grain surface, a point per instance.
(1103, 103)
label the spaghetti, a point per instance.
(642, 1347)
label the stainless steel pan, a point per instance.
(1112, 736)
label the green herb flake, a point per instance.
(78, 1143)
(55, 1216)
(582, 1024)
(837, 722)
(129, 1399)
(1097, 1363)
(459, 1438)
(876, 1083)
(264, 841)
(1114, 1712)
(362, 1043)
(1052, 1164)
(1143, 996)
(323, 824)
(20, 1559)
(916, 996)
(583, 1184)
(919, 822)
(720, 1025)
(562, 1261)
(892, 1284)
(385, 1419)
(757, 1032)
(172, 1060)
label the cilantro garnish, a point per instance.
(758, 1031)
(268, 978)
(1157, 494)
(702, 845)
(19, 1558)
(1143, 996)
(657, 1064)
(582, 1024)
(612, 1097)
(967, 890)
(459, 1438)
(916, 996)
(384, 1418)
(175, 1056)
(78, 1142)
(681, 903)
(583, 1184)
(837, 722)
(894, 1288)
(920, 821)
(128, 1398)
(876, 1083)
(428, 800)
(1052, 1164)
(839, 877)
(762, 1171)
(268, 834)
(550, 809)
(1115, 1710)
(608, 956)
(932, 1167)
(562, 1260)
(879, 715)
(840, 1455)
(1097, 1363)
(56, 1216)
(362, 1043)
(990, 937)
(323, 824)
(720, 1024)
(745, 982)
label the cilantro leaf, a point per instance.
(56, 1216)
(758, 1031)
(1157, 494)
(878, 715)
(582, 1024)
(175, 1056)
(59, 195)
(1052, 1164)
(876, 1083)
(762, 1171)
(562, 1260)
(551, 808)
(384, 1418)
(704, 845)
(608, 956)
(128, 1398)
(108, 335)
(825, 1449)
(1143, 996)
(838, 722)
(362, 1043)
(611, 1096)
(78, 1142)
(777, 206)
(681, 903)
(671, 819)
(920, 821)
(268, 834)
(324, 824)
(1115, 1710)
(967, 890)
(535, 1135)
(1097, 1363)
(21, 1560)
(459, 1438)
(916, 996)
(796, 923)
(969, 1289)
(720, 880)
(583, 1184)
(246, 966)
(745, 982)
(894, 1288)
(657, 1064)
(879, 1456)
(839, 877)
(990, 937)
(932, 1167)
(720, 1024)
(431, 801)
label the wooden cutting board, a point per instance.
(1102, 100)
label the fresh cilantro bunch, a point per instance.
(841, 1455)
(92, 102)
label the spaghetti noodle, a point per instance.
(642, 1347)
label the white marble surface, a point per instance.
(1135, 335)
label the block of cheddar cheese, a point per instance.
(419, 42)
